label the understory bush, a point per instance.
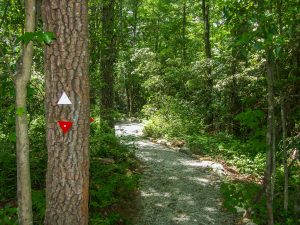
(238, 196)
(111, 184)
(172, 119)
(246, 154)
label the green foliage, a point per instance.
(20, 111)
(236, 152)
(38, 206)
(238, 197)
(171, 119)
(252, 124)
(251, 118)
(163, 71)
(39, 37)
(8, 215)
(8, 173)
(112, 184)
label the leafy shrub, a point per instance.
(174, 118)
(8, 215)
(253, 127)
(8, 172)
(111, 184)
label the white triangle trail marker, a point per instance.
(64, 100)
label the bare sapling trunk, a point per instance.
(209, 118)
(286, 174)
(270, 166)
(21, 80)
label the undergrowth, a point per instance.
(111, 185)
(246, 154)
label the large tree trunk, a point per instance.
(21, 80)
(205, 13)
(108, 57)
(66, 68)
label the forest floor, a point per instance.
(175, 188)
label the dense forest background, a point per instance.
(220, 76)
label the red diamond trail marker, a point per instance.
(91, 120)
(65, 125)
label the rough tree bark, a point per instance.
(108, 57)
(205, 14)
(21, 80)
(66, 69)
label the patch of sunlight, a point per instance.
(144, 144)
(187, 199)
(199, 180)
(153, 193)
(210, 209)
(181, 218)
(151, 159)
(160, 205)
(217, 167)
(134, 129)
(173, 178)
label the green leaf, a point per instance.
(39, 37)
(12, 137)
(20, 111)
(49, 37)
(26, 37)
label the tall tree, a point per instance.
(205, 14)
(279, 5)
(108, 58)
(184, 31)
(66, 69)
(21, 80)
(270, 166)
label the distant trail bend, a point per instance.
(176, 189)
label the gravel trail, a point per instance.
(176, 189)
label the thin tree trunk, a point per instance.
(120, 37)
(205, 13)
(270, 142)
(108, 57)
(286, 174)
(235, 104)
(135, 17)
(184, 32)
(66, 70)
(21, 80)
(283, 118)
